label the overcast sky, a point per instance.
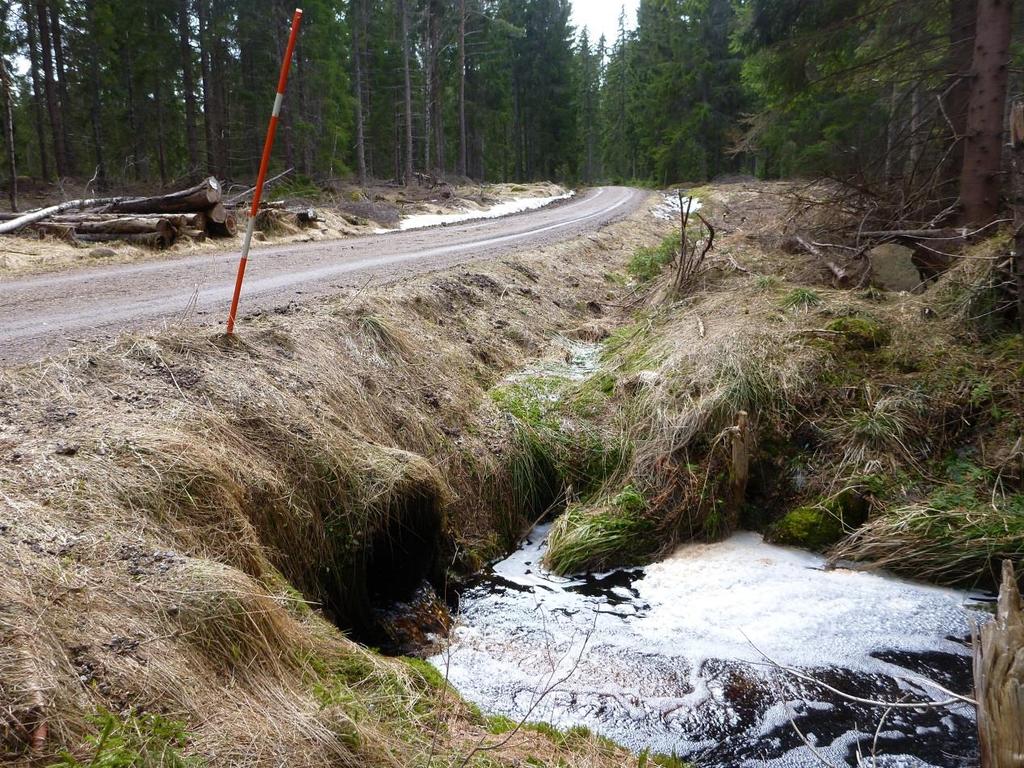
(601, 17)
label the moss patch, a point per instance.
(861, 332)
(817, 527)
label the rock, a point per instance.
(893, 268)
(102, 253)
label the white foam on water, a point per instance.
(639, 659)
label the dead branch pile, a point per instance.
(196, 212)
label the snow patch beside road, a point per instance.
(518, 205)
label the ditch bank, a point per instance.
(186, 513)
(185, 520)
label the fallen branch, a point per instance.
(841, 275)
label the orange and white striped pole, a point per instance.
(264, 163)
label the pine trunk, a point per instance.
(980, 180)
(357, 24)
(209, 127)
(37, 98)
(463, 148)
(50, 85)
(95, 107)
(408, 169)
(188, 81)
(8, 119)
(963, 22)
(62, 82)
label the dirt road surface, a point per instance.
(44, 315)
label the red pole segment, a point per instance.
(268, 145)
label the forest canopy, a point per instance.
(495, 90)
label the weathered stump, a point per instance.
(999, 680)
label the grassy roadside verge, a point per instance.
(179, 516)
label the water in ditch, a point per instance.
(686, 657)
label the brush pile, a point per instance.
(196, 213)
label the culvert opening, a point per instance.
(374, 599)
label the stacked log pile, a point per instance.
(158, 221)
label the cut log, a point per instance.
(217, 214)
(181, 220)
(226, 228)
(121, 226)
(152, 239)
(999, 679)
(201, 197)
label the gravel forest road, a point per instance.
(40, 316)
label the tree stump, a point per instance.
(999, 680)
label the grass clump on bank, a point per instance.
(601, 534)
(558, 449)
(648, 263)
(958, 535)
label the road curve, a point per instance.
(45, 314)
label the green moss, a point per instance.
(426, 673)
(143, 740)
(499, 724)
(817, 527)
(615, 532)
(861, 332)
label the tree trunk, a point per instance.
(188, 81)
(52, 104)
(408, 171)
(94, 106)
(37, 99)
(357, 54)
(1017, 142)
(133, 128)
(463, 148)
(209, 115)
(62, 82)
(999, 679)
(980, 179)
(437, 121)
(12, 163)
(428, 136)
(963, 22)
